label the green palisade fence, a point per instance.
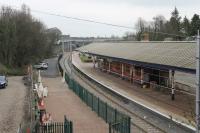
(118, 122)
(120, 127)
(68, 126)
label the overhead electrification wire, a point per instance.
(81, 19)
(104, 23)
(93, 21)
(76, 18)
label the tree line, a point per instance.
(159, 29)
(23, 39)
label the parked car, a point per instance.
(3, 81)
(42, 65)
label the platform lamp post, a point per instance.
(197, 84)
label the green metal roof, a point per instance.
(174, 54)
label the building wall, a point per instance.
(153, 78)
(116, 67)
(133, 73)
(127, 71)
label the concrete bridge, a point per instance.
(76, 42)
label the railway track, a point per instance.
(138, 123)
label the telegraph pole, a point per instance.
(197, 84)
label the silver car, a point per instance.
(41, 66)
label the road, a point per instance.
(12, 101)
(51, 72)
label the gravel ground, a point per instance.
(12, 101)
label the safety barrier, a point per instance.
(118, 122)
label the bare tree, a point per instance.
(140, 27)
(23, 39)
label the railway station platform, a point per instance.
(182, 109)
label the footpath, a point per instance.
(62, 101)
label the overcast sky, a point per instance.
(120, 12)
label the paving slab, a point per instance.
(62, 101)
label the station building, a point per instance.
(150, 64)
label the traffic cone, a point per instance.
(42, 102)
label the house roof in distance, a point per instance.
(162, 55)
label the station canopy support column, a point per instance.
(109, 66)
(131, 73)
(142, 76)
(94, 61)
(172, 85)
(122, 70)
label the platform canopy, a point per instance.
(161, 55)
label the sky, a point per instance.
(118, 12)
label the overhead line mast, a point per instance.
(198, 85)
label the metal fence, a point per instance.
(68, 126)
(55, 127)
(120, 127)
(118, 122)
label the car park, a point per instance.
(3, 81)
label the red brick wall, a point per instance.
(115, 67)
(127, 70)
(137, 74)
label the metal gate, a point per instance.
(55, 127)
